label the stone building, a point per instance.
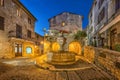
(60, 37)
(104, 20)
(67, 22)
(17, 36)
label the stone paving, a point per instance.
(29, 71)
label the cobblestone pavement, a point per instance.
(29, 71)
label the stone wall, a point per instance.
(89, 54)
(107, 60)
(9, 12)
(5, 46)
(72, 22)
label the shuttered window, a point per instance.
(1, 23)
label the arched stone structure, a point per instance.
(46, 46)
(75, 46)
(55, 46)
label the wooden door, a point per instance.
(18, 50)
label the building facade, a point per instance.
(105, 20)
(17, 36)
(67, 22)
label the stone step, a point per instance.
(61, 76)
(72, 75)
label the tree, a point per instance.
(80, 35)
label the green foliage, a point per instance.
(80, 34)
(117, 47)
(107, 47)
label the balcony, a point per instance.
(11, 33)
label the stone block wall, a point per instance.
(9, 12)
(5, 46)
(109, 61)
(72, 22)
(105, 59)
(89, 54)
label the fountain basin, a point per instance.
(62, 58)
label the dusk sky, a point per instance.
(45, 9)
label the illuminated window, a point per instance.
(28, 50)
(2, 2)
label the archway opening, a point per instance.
(75, 47)
(46, 46)
(55, 46)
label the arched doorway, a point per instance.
(75, 47)
(55, 46)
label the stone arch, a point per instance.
(75, 46)
(55, 46)
(46, 46)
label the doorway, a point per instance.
(18, 50)
(55, 46)
(75, 47)
(113, 38)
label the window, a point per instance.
(1, 23)
(91, 18)
(54, 21)
(2, 2)
(117, 5)
(100, 3)
(95, 3)
(18, 12)
(29, 34)
(101, 15)
(37, 36)
(72, 20)
(29, 20)
(28, 50)
(18, 31)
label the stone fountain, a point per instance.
(62, 56)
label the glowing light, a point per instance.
(35, 46)
(55, 46)
(75, 47)
(63, 23)
(41, 42)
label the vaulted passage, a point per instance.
(46, 46)
(55, 46)
(75, 47)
